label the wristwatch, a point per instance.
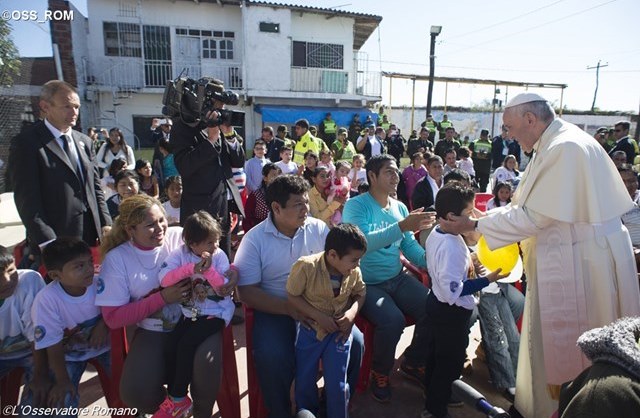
(475, 225)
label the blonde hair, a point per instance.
(132, 212)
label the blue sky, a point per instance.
(546, 41)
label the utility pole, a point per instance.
(595, 93)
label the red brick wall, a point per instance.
(61, 35)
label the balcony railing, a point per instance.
(127, 74)
(320, 80)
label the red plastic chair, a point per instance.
(229, 394)
(368, 329)
(481, 201)
(256, 401)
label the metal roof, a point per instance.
(364, 24)
(363, 27)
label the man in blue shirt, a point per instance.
(391, 293)
(264, 260)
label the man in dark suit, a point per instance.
(54, 174)
(501, 146)
(623, 141)
(204, 157)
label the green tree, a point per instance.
(9, 62)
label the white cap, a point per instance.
(523, 98)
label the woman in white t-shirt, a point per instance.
(115, 147)
(509, 171)
(128, 290)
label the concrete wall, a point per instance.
(267, 60)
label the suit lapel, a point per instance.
(52, 144)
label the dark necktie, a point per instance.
(72, 158)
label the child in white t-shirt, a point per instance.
(286, 165)
(358, 174)
(205, 313)
(450, 302)
(501, 195)
(173, 186)
(68, 327)
(18, 288)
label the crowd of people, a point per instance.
(327, 221)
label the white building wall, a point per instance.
(267, 59)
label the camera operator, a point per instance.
(204, 156)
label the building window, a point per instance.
(209, 48)
(216, 44)
(122, 39)
(317, 55)
(226, 50)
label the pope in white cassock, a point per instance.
(577, 254)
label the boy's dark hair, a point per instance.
(344, 238)
(375, 163)
(464, 152)
(63, 250)
(363, 188)
(116, 166)
(458, 175)
(126, 174)
(285, 148)
(171, 180)
(6, 258)
(259, 142)
(453, 198)
(199, 226)
(266, 169)
(312, 154)
(164, 143)
(283, 186)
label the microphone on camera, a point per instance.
(475, 399)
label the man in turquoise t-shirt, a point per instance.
(391, 293)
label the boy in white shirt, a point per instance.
(18, 288)
(286, 165)
(450, 302)
(68, 327)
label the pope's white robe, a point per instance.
(578, 257)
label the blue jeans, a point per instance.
(335, 357)
(75, 369)
(385, 306)
(500, 337)
(274, 339)
(514, 297)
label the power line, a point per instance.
(511, 19)
(532, 28)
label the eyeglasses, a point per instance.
(617, 130)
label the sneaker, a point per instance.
(415, 374)
(380, 389)
(454, 402)
(171, 409)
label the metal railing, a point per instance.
(321, 80)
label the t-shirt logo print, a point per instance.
(99, 285)
(39, 332)
(453, 286)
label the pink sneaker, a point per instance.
(171, 409)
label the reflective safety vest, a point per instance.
(307, 142)
(481, 149)
(431, 126)
(329, 126)
(445, 124)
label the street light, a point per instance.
(435, 31)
